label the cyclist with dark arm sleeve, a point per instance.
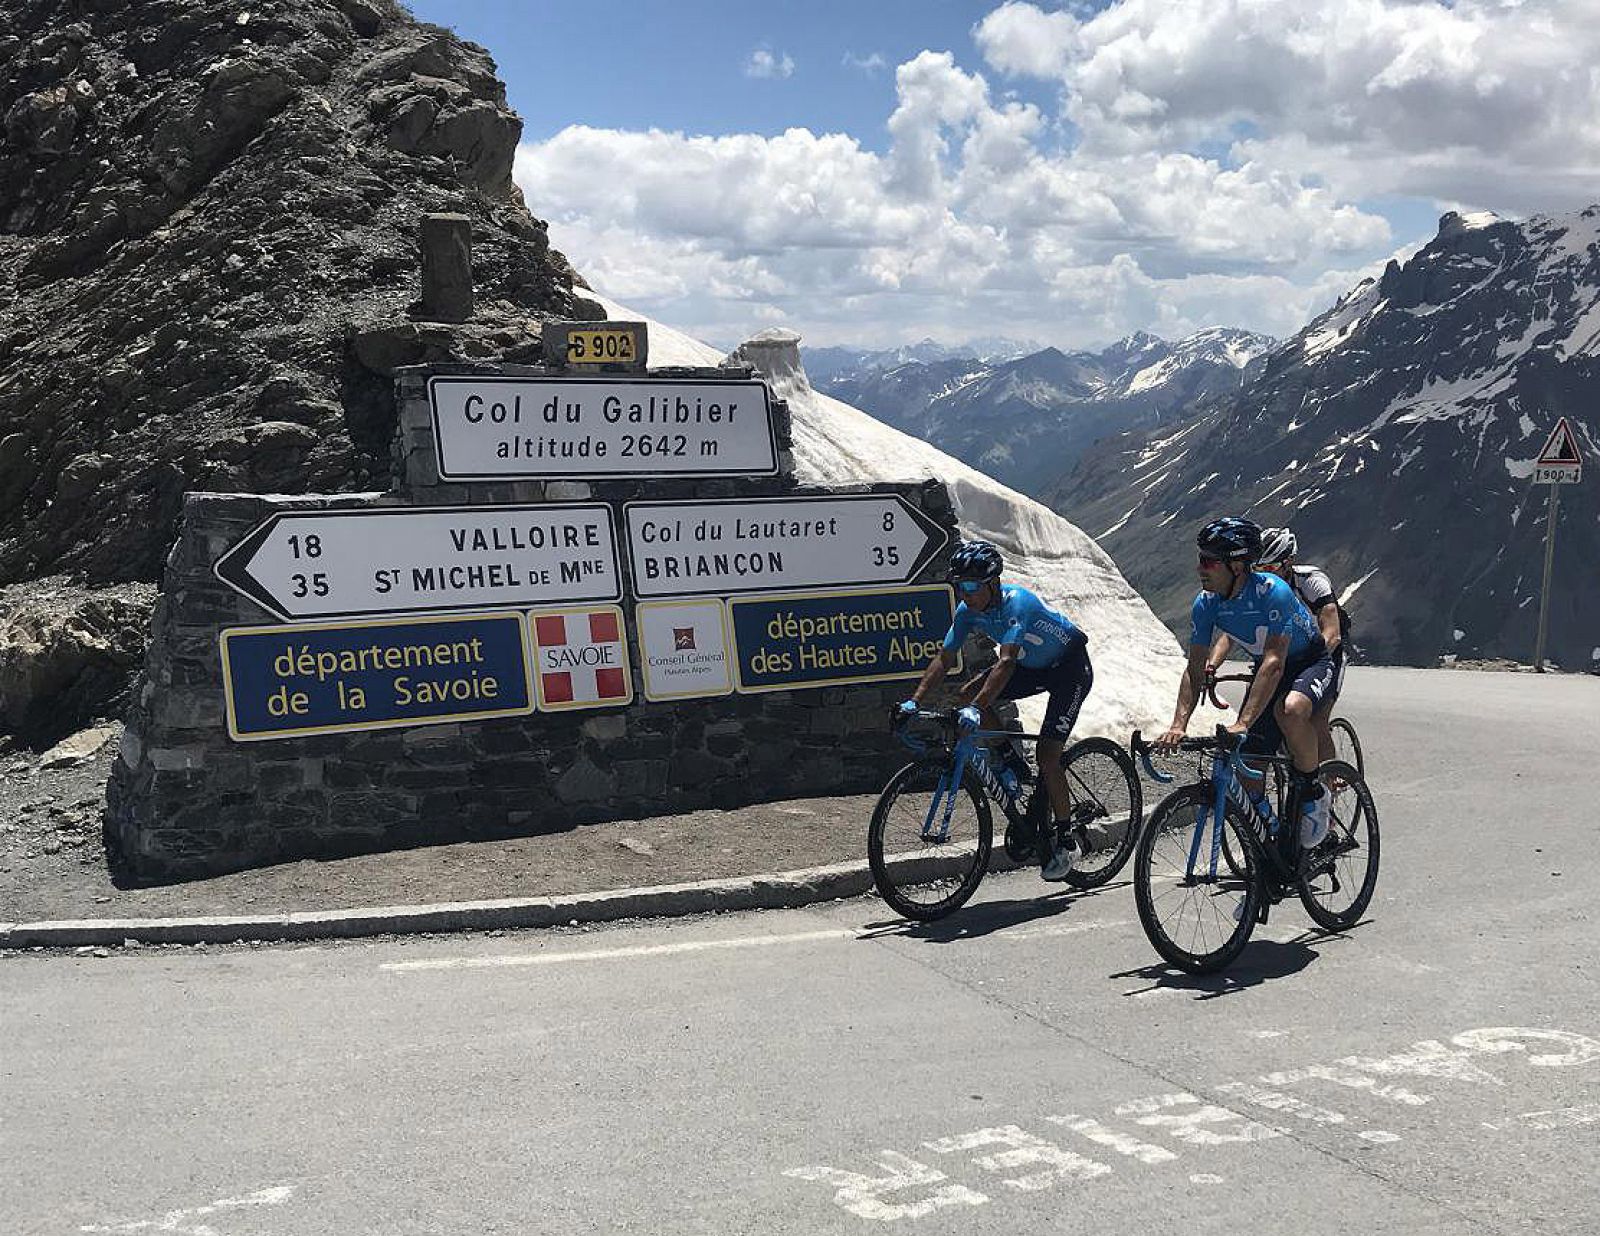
(1038, 650)
(1311, 585)
(1294, 670)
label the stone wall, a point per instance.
(185, 800)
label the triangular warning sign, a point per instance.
(1561, 447)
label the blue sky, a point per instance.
(879, 171)
(681, 66)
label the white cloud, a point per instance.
(871, 63)
(1376, 96)
(763, 63)
(1021, 39)
(975, 220)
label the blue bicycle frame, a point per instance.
(966, 751)
(1226, 766)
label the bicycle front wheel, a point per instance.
(1346, 746)
(928, 843)
(1107, 808)
(1337, 879)
(1196, 911)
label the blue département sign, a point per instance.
(821, 639)
(320, 678)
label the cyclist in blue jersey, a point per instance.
(1039, 650)
(1294, 671)
(1279, 546)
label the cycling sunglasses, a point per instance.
(970, 587)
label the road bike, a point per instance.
(932, 830)
(1346, 742)
(1211, 861)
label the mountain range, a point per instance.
(1025, 420)
(1397, 435)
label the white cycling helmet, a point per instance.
(1278, 544)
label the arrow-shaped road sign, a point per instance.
(342, 563)
(731, 546)
(1559, 463)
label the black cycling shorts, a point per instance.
(1316, 680)
(1069, 681)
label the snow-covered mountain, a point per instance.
(1137, 662)
(1396, 434)
(824, 365)
(1026, 420)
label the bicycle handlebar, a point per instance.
(1220, 742)
(1209, 688)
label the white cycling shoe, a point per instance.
(1314, 822)
(1061, 861)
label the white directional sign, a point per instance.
(1559, 463)
(765, 544)
(492, 428)
(328, 564)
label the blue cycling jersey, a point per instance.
(1263, 607)
(1018, 617)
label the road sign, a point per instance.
(763, 544)
(580, 658)
(683, 648)
(828, 638)
(323, 678)
(1560, 462)
(494, 428)
(336, 564)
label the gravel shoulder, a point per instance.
(52, 865)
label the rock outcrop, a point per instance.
(209, 218)
(1397, 434)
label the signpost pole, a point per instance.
(1544, 596)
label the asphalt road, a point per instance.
(1026, 1066)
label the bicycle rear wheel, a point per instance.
(1107, 808)
(1196, 912)
(928, 843)
(1346, 746)
(1337, 879)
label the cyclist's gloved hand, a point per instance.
(907, 710)
(970, 719)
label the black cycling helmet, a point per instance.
(1278, 544)
(976, 560)
(1231, 538)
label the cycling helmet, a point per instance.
(1231, 538)
(1278, 544)
(976, 560)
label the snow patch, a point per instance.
(1137, 661)
(1118, 524)
(1344, 597)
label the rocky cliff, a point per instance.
(1397, 434)
(209, 221)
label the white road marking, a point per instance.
(1349, 1079)
(864, 1195)
(1122, 1143)
(1562, 1117)
(183, 1221)
(1276, 1101)
(1023, 1149)
(1186, 1118)
(1194, 1126)
(556, 957)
